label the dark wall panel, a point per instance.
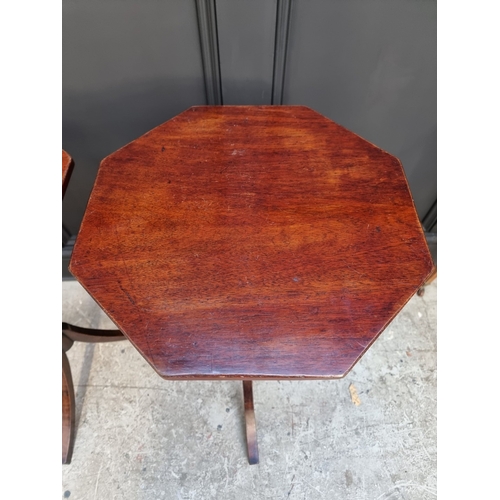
(370, 65)
(246, 32)
(128, 65)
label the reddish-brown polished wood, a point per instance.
(67, 169)
(251, 242)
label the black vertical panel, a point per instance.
(429, 222)
(246, 32)
(207, 24)
(128, 65)
(280, 48)
(370, 65)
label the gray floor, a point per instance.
(141, 437)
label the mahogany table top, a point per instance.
(251, 242)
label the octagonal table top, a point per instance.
(251, 242)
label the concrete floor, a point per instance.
(141, 437)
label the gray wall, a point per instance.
(370, 65)
(129, 65)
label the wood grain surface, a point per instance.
(251, 242)
(67, 169)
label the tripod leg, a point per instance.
(68, 411)
(251, 429)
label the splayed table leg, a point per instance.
(68, 411)
(251, 429)
(70, 334)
